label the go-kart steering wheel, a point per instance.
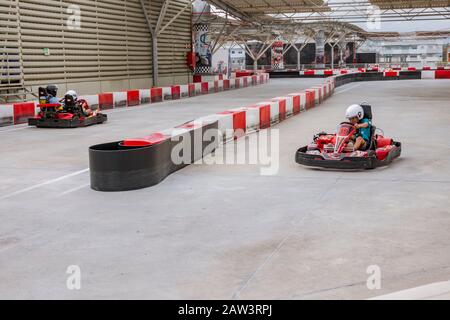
(346, 122)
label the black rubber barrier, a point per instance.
(413, 75)
(375, 76)
(284, 74)
(117, 168)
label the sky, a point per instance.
(411, 26)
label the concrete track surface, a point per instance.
(223, 232)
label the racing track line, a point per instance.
(294, 222)
(67, 176)
(336, 92)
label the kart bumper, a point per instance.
(346, 163)
(64, 123)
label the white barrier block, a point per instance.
(167, 93)
(6, 115)
(198, 88)
(184, 91)
(145, 95)
(92, 100)
(211, 87)
(120, 99)
(428, 74)
(302, 101)
(220, 85)
(225, 123)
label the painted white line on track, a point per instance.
(347, 89)
(37, 186)
(14, 129)
(74, 190)
(430, 291)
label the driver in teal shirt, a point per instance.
(355, 114)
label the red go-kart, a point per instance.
(71, 114)
(335, 151)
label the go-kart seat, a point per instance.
(367, 110)
(368, 114)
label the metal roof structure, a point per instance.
(353, 11)
(299, 20)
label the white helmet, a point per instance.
(355, 110)
(73, 93)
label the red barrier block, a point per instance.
(397, 69)
(156, 95)
(261, 78)
(282, 106)
(442, 74)
(191, 89)
(133, 98)
(105, 101)
(310, 99)
(309, 73)
(23, 111)
(151, 140)
(241, 74)
(239, 122)
(412, 69)
(391, 74)
(328, 72)
(344, 71)
(264, 117)
(254, 80)
(426, 68)
(226, 85)
(440, 68)
(176, 92)
(237, 83)
(245, 82)
(220, 76)
(205, 87)
(296, 102)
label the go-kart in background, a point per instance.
(18, 113)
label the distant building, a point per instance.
(237, 57)
(413, 53)
(224, 56)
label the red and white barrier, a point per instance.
(288, 105)
(6, 115)
(283, 106)
(16, 113)
(92, 100)
(274, 110)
